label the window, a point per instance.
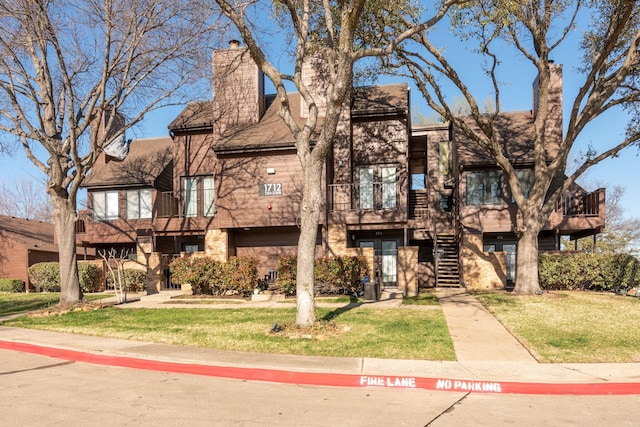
(443, 158)
(208, 192)
(378, 187)
(199, 195)
(366, 188)
(526, 178)
(105, 205)
(388, 188)
(139, 204)
(484, 188)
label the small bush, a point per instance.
(209, 277)
(134, 280)
(11, 285)
(45, 276)
(89, 275)
(596, 272)
(333, 275)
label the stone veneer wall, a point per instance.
(216, 245)
(482, 270)
(407, 265)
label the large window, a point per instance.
(199, 195)
(105, 205)
(377, 187)
(526, 178)
(139, 204)
(484, 188)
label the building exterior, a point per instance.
(23, 243)
(421, 202)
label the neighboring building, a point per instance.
(24, 242)
(422, 203)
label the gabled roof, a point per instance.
(147, 158)
(195, 115)
(380, 100)
(272, 133)
(515, 133)
(33, 235)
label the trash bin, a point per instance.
(370, 291)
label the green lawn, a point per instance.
(13, 303)
(361, 332)
(574, 327)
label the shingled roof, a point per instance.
(33, 235)
(272, 133)
(515, 133)
(147, 158)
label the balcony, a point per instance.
(371, 196)
(167, 205)
(581, 205)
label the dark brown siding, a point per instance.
(239, 202)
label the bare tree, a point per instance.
(333, 35)
(74, 74)
(535, 29)
(25, 198)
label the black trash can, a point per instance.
(370, 291)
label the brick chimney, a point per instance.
(314, 77)
(554, 123)
(238, 88)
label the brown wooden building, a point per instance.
(24, 242)
(421, 202)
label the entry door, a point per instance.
(510, 251)
(385, 260)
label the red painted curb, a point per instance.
(333, 380)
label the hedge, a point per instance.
(11, 285)
(46, 276)
(597, 272)
(134, 280)
(207, 276)
(333, 275)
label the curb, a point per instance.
(334, 380)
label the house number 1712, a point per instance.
(270, 189)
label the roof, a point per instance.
(147, 158)
(272, 133)
(381, 99)
(33, 235)
(195, 115)
(515, 133)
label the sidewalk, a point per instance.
(484, 349)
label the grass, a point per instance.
(571, 327)
(361, 332)
(425, 297)
(13, 303)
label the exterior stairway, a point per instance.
(448, 272)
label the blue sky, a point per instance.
(516, 77)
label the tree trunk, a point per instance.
(310, 216)
(527, 282)
(64, 220)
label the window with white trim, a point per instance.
(484, 188)
(105, 205)
(139, 204)
(199, 196)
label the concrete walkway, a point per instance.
(477, 335)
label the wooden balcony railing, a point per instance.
(166, 205)
(580, 205)
(374, 196)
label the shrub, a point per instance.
(11, 285)
(333, 275)
(45, 276)
(597, 272)
(134, 280)
(209, 277)
(89, 275)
